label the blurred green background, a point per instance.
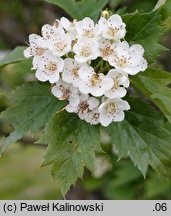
(21, 175)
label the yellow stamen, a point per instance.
(111, 108)
(83, 107)
(39, 51)
(112, 31)
(75, 71)
(51, 67)
(106, 51)
(85, 51)
(95, 80)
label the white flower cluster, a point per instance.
(88, 65)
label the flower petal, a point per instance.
(120, 115)
(40, 75)
(93, 103)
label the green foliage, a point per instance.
(125, 181)
(33, 107)
(155, 187)
(119, 186)
(145, 137)
(17, 73)
(21, 176)
(145, 29)
(72, 144)
(115, 3)
(154, 84)
(80, 9)
(166, 13)
(15, 56)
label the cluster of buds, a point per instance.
(88, 65)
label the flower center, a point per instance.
(112, 31)
(85, 51)
(95, 80)
(75, 71)
(74, 42)
(111, 108)
(106, 51)
(65, 92)
(89, 33)
(121, 62)
(60, 46)
(52, 67)
(116, 84)
(96, 116)
(39, 51)
(83, 107)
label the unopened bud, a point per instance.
(56, 23)
(106, 14)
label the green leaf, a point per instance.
(154, 84)
(155, 187)
(145, 137)
(80, 9)
(125, 173)
(68, 173)
(33, 107)
(23, 67)
(145, 29)
(15, 56)
(72, 144)
(115, 3)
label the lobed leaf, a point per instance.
(80, 9)
(72, 144)
(34, 106)
(145, 137)
(154, 84)
(145, 29)
(15, 56)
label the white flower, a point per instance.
(94, 83)
(70, 72)
(85, 50)
(113, 28)
(65, 91)
(92, 117)
(66, 24)
(69, 27)
(121, 82)
(112, 110)
(87, 28)
(35, 48)
(64, 54)
(85, 105)
(60, 44)
(49, 31)
(106, 49)
(48, 67)
(128, 59)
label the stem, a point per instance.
(101, 68)
(104, 69)
(98, 65)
